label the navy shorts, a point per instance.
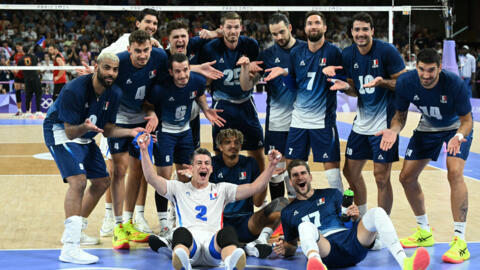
(324, 143)
(427, 145)
(240, 223)
(121, 145)
(275, 140)
(361, 147)
(345, 250)
(242, 117)
(74, 159)
(173, 148)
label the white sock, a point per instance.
(127, 216)
(334, 179)
(459, 228)
(309, 236)
(109, 209)
(162, 218)
(118, 219)
(73, 230)
(377, 220)
(422, 221)
(362, 209)
(139, 209)
(265, 235)
(84, 223)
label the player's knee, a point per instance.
(101, 184)
(455, 175)
(275, 206)
(119, 171)
(77, 183)
(182, 236)
(227, 236)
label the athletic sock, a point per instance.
(459, 228)
(139, 209)
(309, 236)
(422, 221)
(108, 209)
(334, 179)
(265, 235)
(162, 218)
(127, 215)
(118, 219)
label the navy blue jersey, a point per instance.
(174, 104)
(135, 83)
(77, 102)
(440, 106)
(245, 172)
(280, 98)
(316, 105)
(375, 106)
(322, 209)
(228, 87)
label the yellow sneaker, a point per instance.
(133, 234)
(120, 238)
(419, 260)
(457, 253)
(421, 238)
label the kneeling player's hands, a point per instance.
(353, 212)
(278, 247)
(143, 141)
(274, 156)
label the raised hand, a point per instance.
(84, 71)
(214, 118)
(274, 73)
(374, 82)
(389, 137)
(91, 126)
(331, 70)
(152, 122)
(207, 70)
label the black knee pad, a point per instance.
(275, 206)
(226, 237)
(182, 236)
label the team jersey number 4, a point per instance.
(313, 218)
(202, 211)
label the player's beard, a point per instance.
(284, 42)
(102, 79)
(303, 194)
(315, 38)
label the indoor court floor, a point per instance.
(32, 194)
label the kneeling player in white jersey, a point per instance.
(199, 238)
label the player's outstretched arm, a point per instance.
(385, 83)
(210, 114)
(248, 190)
(331, 70)
(207, 70)
(112, 130)
(389, 136)
(274, 73)
(158, 182)
(75, 131)
(466, 124)
(152, 119)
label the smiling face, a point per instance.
(300, 180)
(180, 72)
(107, 72)
(281, 33)
(201, 170)
(315, 28)
(362, 33)
(429, 74)
(148, 24)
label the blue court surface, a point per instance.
(147, 259)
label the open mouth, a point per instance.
(302, 185)
(203, 174)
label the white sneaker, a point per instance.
(40, 115)
(257, 249)
(237, 260)
(107, 227)
(141, 224)
(74, 254)
(165, 232)
(180, 260)
(378, 244)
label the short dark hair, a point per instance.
(429, 56)
(176, 57)
(138, 36)
(176, 24)
(314, 12)
(231, 15)
(200, 151)
(147, 11)
(277, 18)
(363, 17)
(294, 163)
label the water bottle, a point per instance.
(346, 202)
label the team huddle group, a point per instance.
(146, 101)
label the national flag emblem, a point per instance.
(213, 196)
(323, 62)
(375, 63)
(443, 99)
(152, 74)
(243, 175)
(321, 201)
(41, 42)
(193, 95)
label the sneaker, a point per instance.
(29, 115)
(155, 242)
(237, 260)
(39, 115)
(141, 224)
(258, 250)
(278, 231)
(171, 216)
(419, 260)
(133, 234)
(165, 232)
(120, 238)
(180, 260)
(315, 263)
(421, 238)
(107, 227)
(378, 244)
(457, 253)
(19, 114)
(74, 254)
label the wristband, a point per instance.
(460, 136)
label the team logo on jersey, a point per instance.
(81, 166)
(355, 65)
(213, 196)
(193, 95)
(220, 175)
(152, 74)
(243, 175)
(302, 63)
(86, 105)
(375, 63)
(325, 155)
(277, 60)
(171, 99)
(443, 99)
(349, 151)
(323, 62)
(191, 57)
(105, 107)
(416, 97)
(409, 152)
(295, 213)
(380, 157)
(116, 146)
(129, 81)
(187, 193)
(221, 60)
(321, 201)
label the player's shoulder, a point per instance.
(158, 53)
(123, 56)
(383, 47)
(408, 76)
(349, 50)
(301, 46)
(213, 44)
(332, 47)
(116, 91)
(247, 41)
(197, 78)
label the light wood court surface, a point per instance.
(32, 193)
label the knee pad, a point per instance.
(182, 236)
(226, 237)
(309, 236)
(275, 206)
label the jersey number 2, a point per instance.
(202, 211)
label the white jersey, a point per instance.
(120, 45)
(200, 209)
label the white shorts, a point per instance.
(202, 255)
